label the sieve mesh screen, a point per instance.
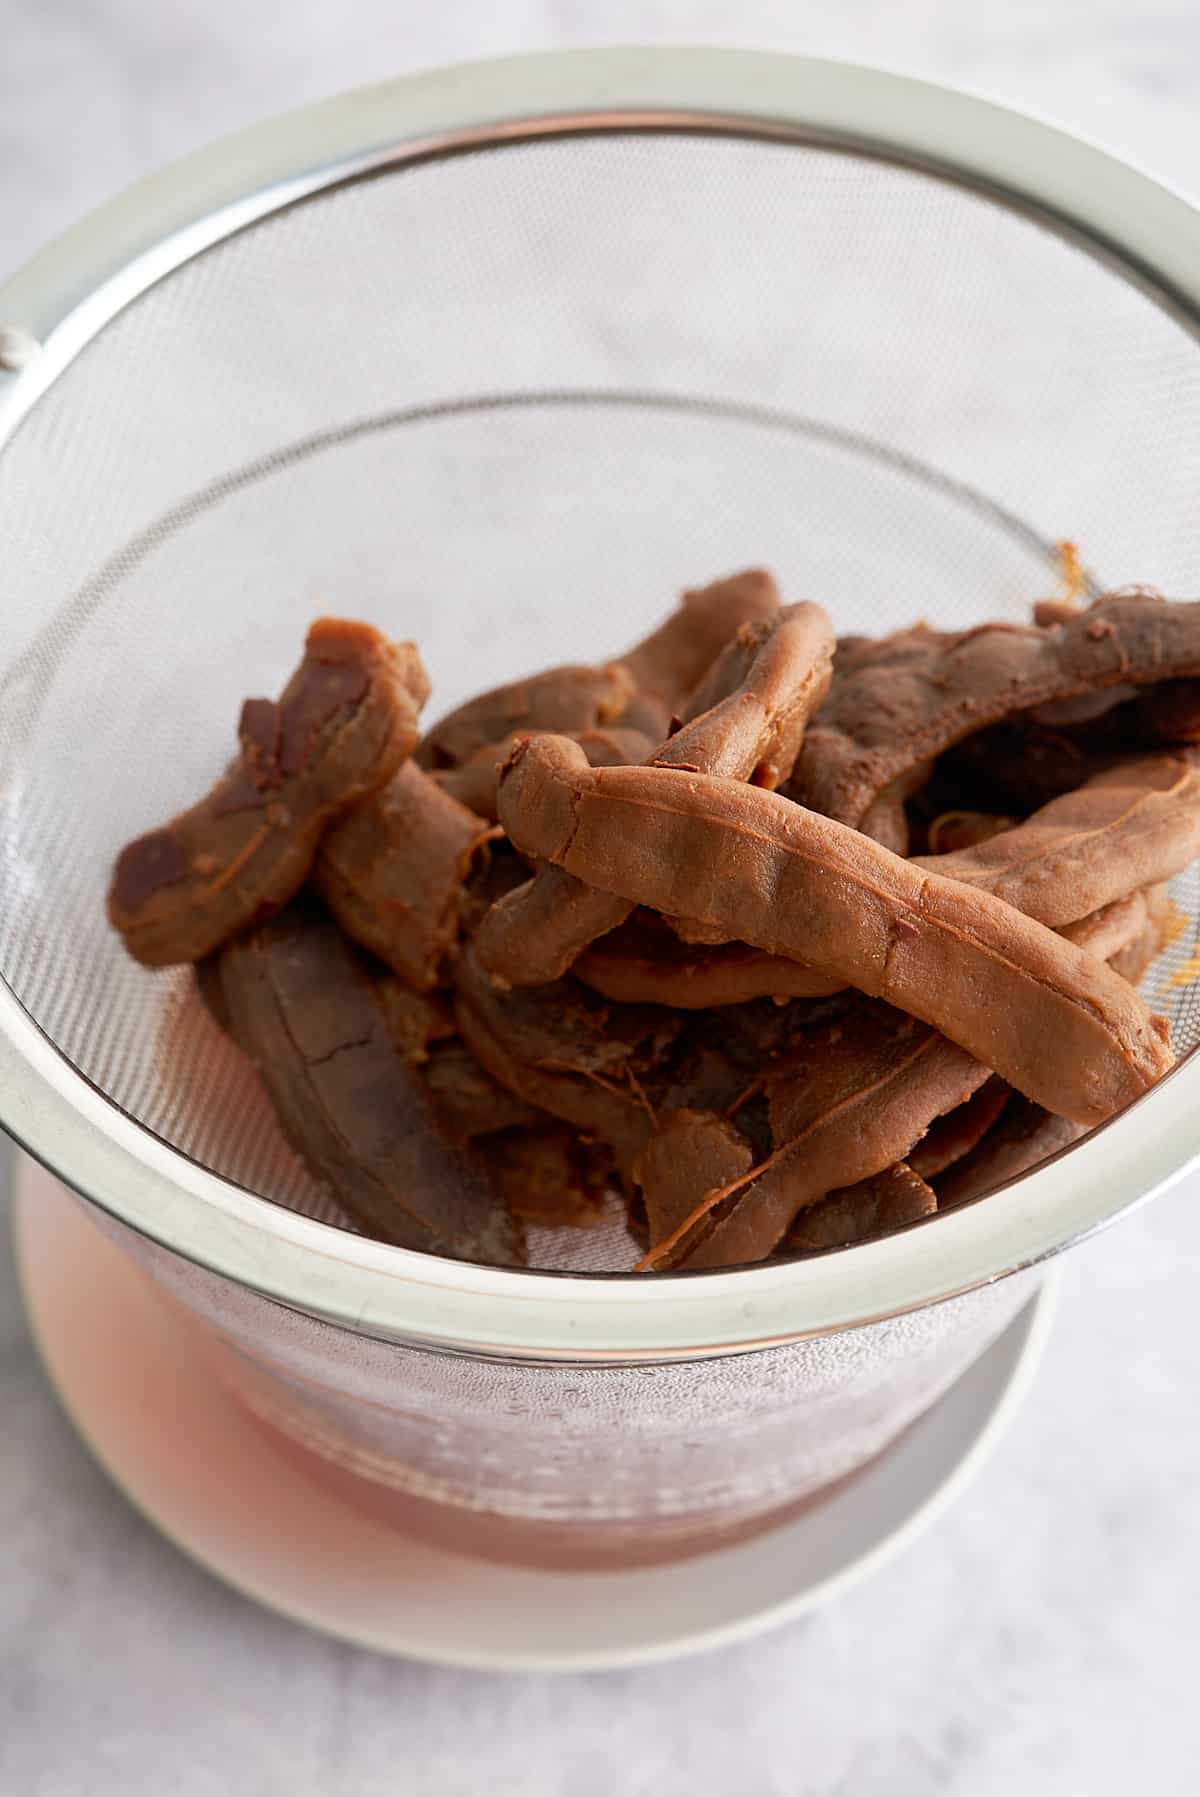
(507, 404)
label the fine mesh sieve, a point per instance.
(506, 400)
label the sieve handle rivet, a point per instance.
(18, 347)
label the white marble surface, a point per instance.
(1044, 1637)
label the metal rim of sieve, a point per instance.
(68, 293)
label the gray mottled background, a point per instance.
(1044, 1638)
